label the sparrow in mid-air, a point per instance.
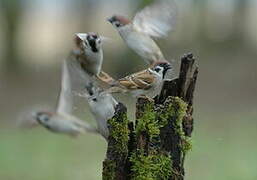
(144, 83)
(102, 105)
(62, 121)
(89, 56)
(153, 21)
(90, 52)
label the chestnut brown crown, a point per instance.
(119, 21)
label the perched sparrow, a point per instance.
(102, 106)
(62, 121)
(144, 83)
(153, 21)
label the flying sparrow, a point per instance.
(154, 21)
(144, 83)
(90, 52)
(89, 56)
(62, 121)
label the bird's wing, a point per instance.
(79, 77)
(81, 36)
(65, 99)
(140, 80)
(157, 19)
(86, 126)
(79, 39)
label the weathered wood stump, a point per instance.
(156, 145)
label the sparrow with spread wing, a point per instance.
(89, 56)
(154, 21)
(62, 121)
(90, 52)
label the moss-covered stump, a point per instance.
(183, 87)
(114, 166)
(160, 140)
(155, 147)
(173, 139)
(148, 160)
(152, 166)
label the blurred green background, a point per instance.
(35, 35)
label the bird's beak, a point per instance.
(34, 115)
(110, 19)
(169, 66)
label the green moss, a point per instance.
(186, 144)
(151, 167)
(120, 133)
(109, 170)
(175, 109)
(148, 122)
(154, 119)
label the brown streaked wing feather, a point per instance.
(128, 84)
(139, 80)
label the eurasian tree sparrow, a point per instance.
(155, 21)
(90, 55)
(102, 106)
(62, 121)
(144, 83)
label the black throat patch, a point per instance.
(93, 45)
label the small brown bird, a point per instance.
(144, 83)
(155, 21)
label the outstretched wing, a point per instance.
(78, 76)
(156, 19)
(65, 99)
(81, 36)
(140, 80)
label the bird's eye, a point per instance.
(157, 69)
(117, 24)
(44, 118)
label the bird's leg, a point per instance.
(103, 76)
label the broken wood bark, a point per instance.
(156, 145)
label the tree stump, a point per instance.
(155, 146)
